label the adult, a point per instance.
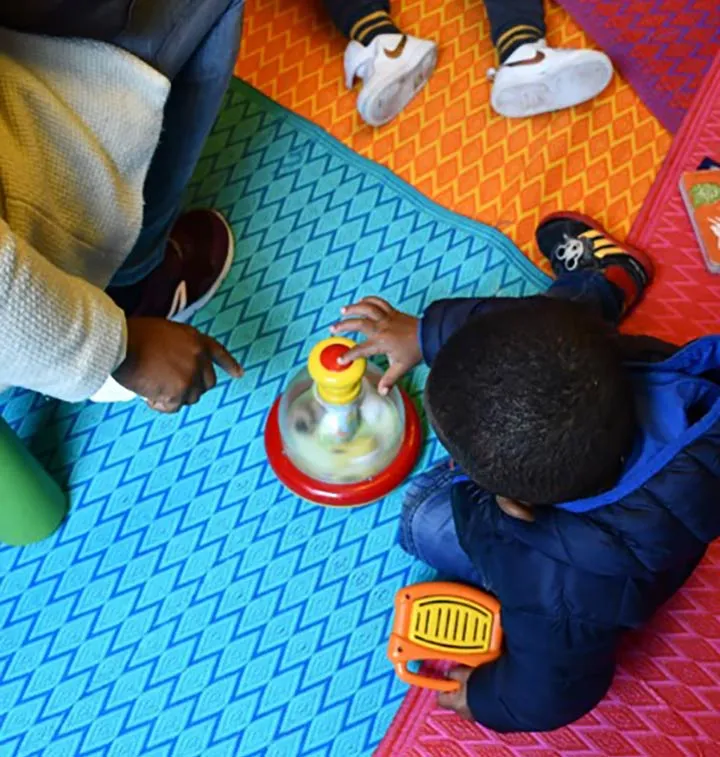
(104, 109)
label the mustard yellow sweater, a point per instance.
(79, 122)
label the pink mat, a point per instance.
(662, 47)
(665, 701)
(684, 301)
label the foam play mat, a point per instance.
(600, 158)
(684, 302)
(663, 48)
(190, 605)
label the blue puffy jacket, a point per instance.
(572, 581)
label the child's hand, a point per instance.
(388, 331)
(457, 700)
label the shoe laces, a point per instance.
(570, 252)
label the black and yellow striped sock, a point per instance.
(371, 25)
(516, 36)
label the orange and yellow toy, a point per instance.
(443, 621)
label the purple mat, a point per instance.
(662, 47)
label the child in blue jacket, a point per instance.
(585, 486)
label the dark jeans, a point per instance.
(504, 16)
(427, 526)
(195, 44)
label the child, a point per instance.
(586, 486)
(533, 78)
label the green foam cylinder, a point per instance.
(32, 505)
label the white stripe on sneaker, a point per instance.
(180, 300)
(188, 310)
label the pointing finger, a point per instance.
(220, 356)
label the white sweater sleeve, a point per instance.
(59, 335)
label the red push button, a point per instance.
(330, 356)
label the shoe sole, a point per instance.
(571, 85)
(642, 258)
(185, 315)
(391, 94)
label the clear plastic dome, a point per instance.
(341, 443)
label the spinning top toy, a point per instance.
(331, 438)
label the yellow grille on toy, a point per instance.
(449, 624)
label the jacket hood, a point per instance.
(665, 508)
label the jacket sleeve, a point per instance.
(444, 317)
(531, 688)
(60, 335)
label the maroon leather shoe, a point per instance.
(198, 257)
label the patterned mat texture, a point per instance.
(684, 302)
(662, 47)
(191, 606)
(600, 158)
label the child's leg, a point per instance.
(362, 20)
(593, 289)
(593, 267)
(514, 23)
(427, 528)
(392, 66)
(533, 78)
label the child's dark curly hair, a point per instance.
(534, 402)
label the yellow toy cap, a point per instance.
(337, 383)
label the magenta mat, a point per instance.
(662, 47)
(665, 701)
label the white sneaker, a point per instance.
(393, 69)
(555, 79)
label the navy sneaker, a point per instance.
(574, 242)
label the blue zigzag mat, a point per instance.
(191, 606)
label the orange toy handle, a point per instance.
(415, 679)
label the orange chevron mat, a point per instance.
(599, 158)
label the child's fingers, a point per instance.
(461, 673)
(392, 375)
(366, 349)
(220, 356)
(447, 700)
(383, 305)
(364, 309)
(363, 325)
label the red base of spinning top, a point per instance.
(344, 495)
